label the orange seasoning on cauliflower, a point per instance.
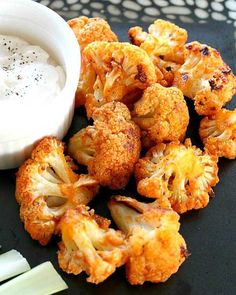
(46, 187)
(164, 43)
(88, 244)
(177, 175)
(110, 148)
(162, 114)
(88, 30)
(205, 78)
(218, 133)
(156, 249)
(115, 71)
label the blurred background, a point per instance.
(187, 11)
(148, 10)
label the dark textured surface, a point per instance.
(209, 233)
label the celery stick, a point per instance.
(12, 263)
(41, 280)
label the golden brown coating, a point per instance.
(156, 249)
(218, 133)
(177, 175)
(221, 88)
(88, 30)
(205, 78)
(110, 148)
(162, 114)
(46, 186)
(114, 71)
(164, 43)
(88, 244)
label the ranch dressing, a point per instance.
(27, 72)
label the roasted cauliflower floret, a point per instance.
(162, 114)
(115, 71)
(110, 148)
(164, 43)
(177, 175)
(156, 249)
(205, 78)
(221, 88)
(88, 244)
(88, 30)
(218, 133)
(46, 186)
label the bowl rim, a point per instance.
(62, 100)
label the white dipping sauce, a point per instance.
(27, 72)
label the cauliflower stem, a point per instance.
(156, 249)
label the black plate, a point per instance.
(209, 233)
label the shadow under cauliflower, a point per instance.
(177, 175)
(110, 148)
(46, 187)
(88, 244)
(162, 114)
(156, 249)
(88, 30)
(218, 133)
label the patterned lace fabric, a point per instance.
(188, 11)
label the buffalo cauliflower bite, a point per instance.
(162, 114)
(88, 30)
(218, 133)
(164, 43)
(110, 148)
(205, 78)
(115, 71)
(46, 186)
(88, 244)
(221, 88)
(155, 248)
(177, 175)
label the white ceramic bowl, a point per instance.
(22, 125)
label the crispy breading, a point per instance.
(46, 186)
(110, 148)
(162, 114)
(88, 30)
(88, 244)
(156, 249)
(205, 78)
(164, 43)
(218, 133)
(177, 175)
(114, 71)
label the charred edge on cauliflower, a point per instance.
(120, 69)
(205, 78)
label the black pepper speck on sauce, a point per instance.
(27, 71)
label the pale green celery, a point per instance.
(41, 280)
(12, 263)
